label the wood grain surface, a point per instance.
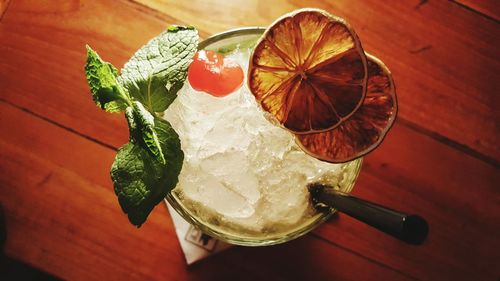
(441, 159)
(488, 8)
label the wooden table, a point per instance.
(440, 160)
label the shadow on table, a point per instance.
(11, 269)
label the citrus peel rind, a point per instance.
(308, 71)
(365, 129)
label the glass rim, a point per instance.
(240, 31)
(246, 240)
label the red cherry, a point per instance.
(212, 73)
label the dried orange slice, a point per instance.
(309, 71)
(366, 128)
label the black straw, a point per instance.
(411, 229)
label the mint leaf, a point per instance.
(157, 71)
(102, 79)
(140, 181)
(142, 130)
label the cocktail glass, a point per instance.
(276, 209)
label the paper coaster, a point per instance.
(195, 244)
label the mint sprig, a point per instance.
(147, 167)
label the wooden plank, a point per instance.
(63, 217)
(43, 54)
(456, 193)
(489, 8)
(311, 259)
(452, 80)
(4, 4)
(444, 58)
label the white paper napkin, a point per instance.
(195, 244)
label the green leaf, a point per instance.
(102, 79)
(140, 181)
(142, 130)
(158, 70)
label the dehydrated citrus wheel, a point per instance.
(366, 128)
(309, 71)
